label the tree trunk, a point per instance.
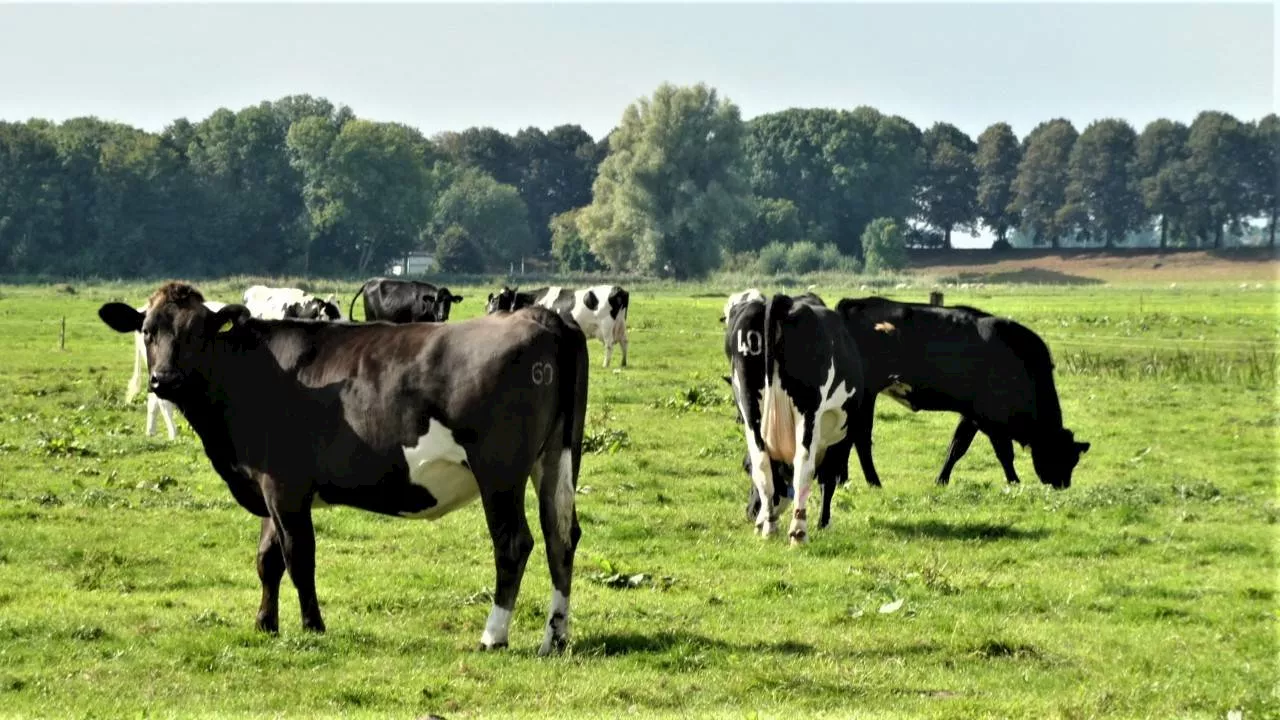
(1273, 225)
(946, 238)
(1217, 236)
(1164, 232)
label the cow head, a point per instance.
(177, 330)
(504, 300)
(313, 309)
(443, 301)
(1055, 458)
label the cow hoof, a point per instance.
(553, 645)
(267, 624)
(315, 625)
(495, 646)
(799, 538)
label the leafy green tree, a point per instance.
(772, 259)
(1160, 169)
(1102, 186)
(456, 252)
(948, 184)
(672, 191)
(568, 247)
(486, 149)
(804, 257)
(1219, 168)
(555, 174)
(1266, 180)
(492, 213)
(1040, 189)
(996, 161)
(883, 246)
(771, 220)
(31, 197)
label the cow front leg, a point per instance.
(959, 446)
(560, 532)
(512, 543)
(166, 412)
(297, 538)
(803, 480)
(1003, 446)
(270, 571)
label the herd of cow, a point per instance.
(409, 415)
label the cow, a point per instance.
(404, 301)
(797, 381)
(600, 311)
(270, 303)
(154, 404)
(994, 372)
(412, 420)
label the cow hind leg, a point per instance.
(270, 571)
(512, 543)
(804, 472)
(1003, 446)
(297, 537)
(862, 440)
(153, 406)
(560, 532)
(959, 446)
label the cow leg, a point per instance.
(166, 412)
(862, 440)
(803, 467)
(761, 468)
(959, 446)
(297, 537)
(608, 348)
(270, 571)
(831, 473)
(1003, 446)
(153, 405)
(512, 543)
(560, 533)
(621, 331)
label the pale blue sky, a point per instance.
(448, 67)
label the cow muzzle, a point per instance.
(165, 382)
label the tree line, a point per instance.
(680, 187)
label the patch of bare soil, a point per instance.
(1082, 267)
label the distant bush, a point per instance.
(455, 251)
(803, 257)
(772, 259)
(883, 246)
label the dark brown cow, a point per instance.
(411, 420)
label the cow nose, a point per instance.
(162, 380)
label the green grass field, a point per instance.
(1148, 589)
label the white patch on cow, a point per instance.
(830, 425)
(549, 298)
(761, 468)
(268, 303)
(495, 628)
(557, 622)
(738, 298)
(436, 463)
(597, 323)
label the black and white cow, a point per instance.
(797, 382)
(154, 404)
(270, 303)
(412, 420)
(600, 311)
(404, 301)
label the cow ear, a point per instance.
(490, 297)
(229, 317)
(120, 317)
(728, 380)
(1082, 447)
(457, 298)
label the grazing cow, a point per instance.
(404, 301)
(154, 403)
(796, 380)
(600, 311)
(410, 420)
(268, 303)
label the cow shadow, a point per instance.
(941, 530)
(622, 644)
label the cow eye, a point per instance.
(147, 335)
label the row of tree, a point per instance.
(300, 185)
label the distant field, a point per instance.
(1070, 267)
(1147, 589)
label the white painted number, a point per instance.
(543, 373)
(750, 344)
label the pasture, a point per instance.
(1147, 589)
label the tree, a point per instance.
(456, 252)
(948, 184)
(1102, 189)
(555, 175)
(883, 246)
(1266, 180)
(771, 220)
(568, 247)
(1159, 167)
(996, 161)
(486, 149)
(673, 190)
(1040, 189)
(492, 214)
(31, 197)
(1219, 167)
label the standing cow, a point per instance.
(600, 311)
(154, 403)
(270, 303)
(404, 301)
(797, 382)
(410, 420)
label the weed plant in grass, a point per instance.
(127, 582)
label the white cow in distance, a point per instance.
(270, 303)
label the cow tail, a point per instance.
(777, 420)
(352, 310)
(620, 326)
(574, 366)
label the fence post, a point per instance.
(935, 298)
(62, 334)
